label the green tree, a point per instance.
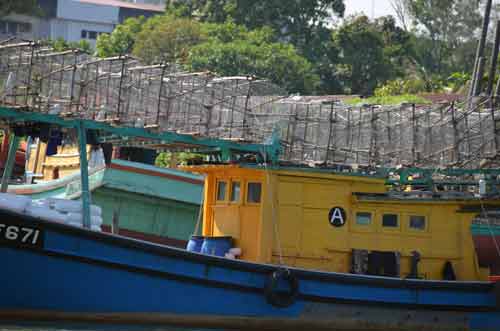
(303, 23)
(168, 159)
(167, 38)
(295, 21)
(61, 45)
(362, 55)
(232, 49)
(446, 28)
(19, 7)
(121, 40)
(287, 17)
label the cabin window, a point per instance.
(221, 191)
(417, 222)
(390, 220)
(363, 218)
(254, 191)
(235, 191)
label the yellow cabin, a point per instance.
(339, 222)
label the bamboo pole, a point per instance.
(494, 61)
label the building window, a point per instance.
(86, 34)
(390, 220)
(417, 222)
(253, 192)
(24, 27)
(92, 35)
(235, 191)
(363, 218)
(9, 27)
(12, 27)
(221, 191)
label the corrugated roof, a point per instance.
(124, 4)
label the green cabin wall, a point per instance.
(147, 214)
(150, 200)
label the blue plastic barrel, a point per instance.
(194, 244)
(217, 246)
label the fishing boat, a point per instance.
(317, 249)
(138, 200)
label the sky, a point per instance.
(377, 7)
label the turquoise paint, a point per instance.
(147, 214)
(485, 230)
(150, 204)
(74, 188)
(67, 187)
(84, 170)
(167, 171)
(160, 187)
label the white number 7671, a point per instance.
(14, 233)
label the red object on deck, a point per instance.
(487, 252)
(494, 278)
(20, 153)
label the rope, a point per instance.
(200, 215)
(273, 214)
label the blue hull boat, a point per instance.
(53, 271)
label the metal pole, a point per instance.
(84, 174)
(479, 77)
(480, 49)
(9, 165)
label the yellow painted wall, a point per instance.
(240, 220)
(292, 223)
(67, 161)
(304, 201)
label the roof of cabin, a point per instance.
(342, 173)
(425, 196)
(116, 163)
(125, 4)
(149, 180)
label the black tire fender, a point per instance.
(277, 298)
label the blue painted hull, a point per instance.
(74, 274)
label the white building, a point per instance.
(74, 20)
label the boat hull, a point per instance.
(78, 275)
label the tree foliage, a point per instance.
(173, 160)
(61, 45)
(371, 52)
(121, 40)
(232, 49)
(445, 32)
(167, 38)
(290, 18)
(19, 7)
(303, 23)
(300, 46)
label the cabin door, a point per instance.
(249, 232)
